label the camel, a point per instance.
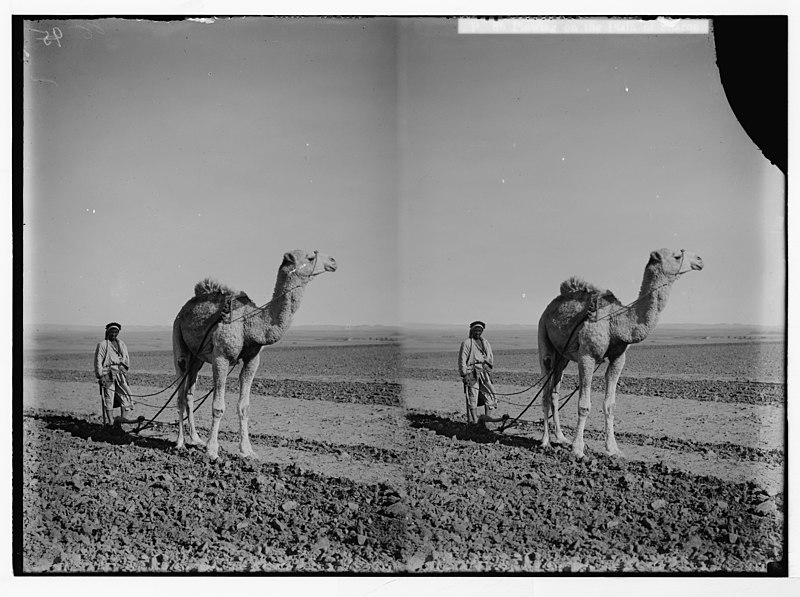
(588, 325)
(221, 327)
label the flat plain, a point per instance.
(366, 464)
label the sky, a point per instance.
(159, 153)
(531, 158)
(453, 177)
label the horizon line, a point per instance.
(413, 324)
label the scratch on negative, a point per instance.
(46, 81)
(388, 582)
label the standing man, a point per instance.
(475, 362)
(111, 362)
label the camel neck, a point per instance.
(286, 299)
(642, 317)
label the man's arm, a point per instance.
(126, 361)
(99, 357)
(463, 358)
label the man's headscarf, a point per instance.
(477, 324)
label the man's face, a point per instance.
(112, 334)
(476, 332)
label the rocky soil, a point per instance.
(747, 392)
(435, 495)
(487, 503)
(104, 500)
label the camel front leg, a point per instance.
(585, 371)
(220, 368)
(612, 377)
(246, 376)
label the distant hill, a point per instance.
(717, 327)
(78, 338)
(432, 337)
(51, 327)
(424, 337)
(411, 326)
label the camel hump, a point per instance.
(210, 285)
(576, 284)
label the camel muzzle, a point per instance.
(328, 264)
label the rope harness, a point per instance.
(225, 313)
(594, 308)
(549, 376)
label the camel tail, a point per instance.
(180, 350)
(210, 285)
(546, 349)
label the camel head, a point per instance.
(674, 262)
(306, 264)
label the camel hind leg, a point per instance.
(183, 361)
(555, 398)
(186, 389)
(550, 399)
(180, 443)
(194, 438)
(547, 407)
(586, 365)
(552, 367)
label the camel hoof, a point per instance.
(212, 452)
(196, 441)
(561, 440)
(246, 450)
(615, 453)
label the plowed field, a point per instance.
(366, 465)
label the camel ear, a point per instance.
(655, 257)
(288, 258)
